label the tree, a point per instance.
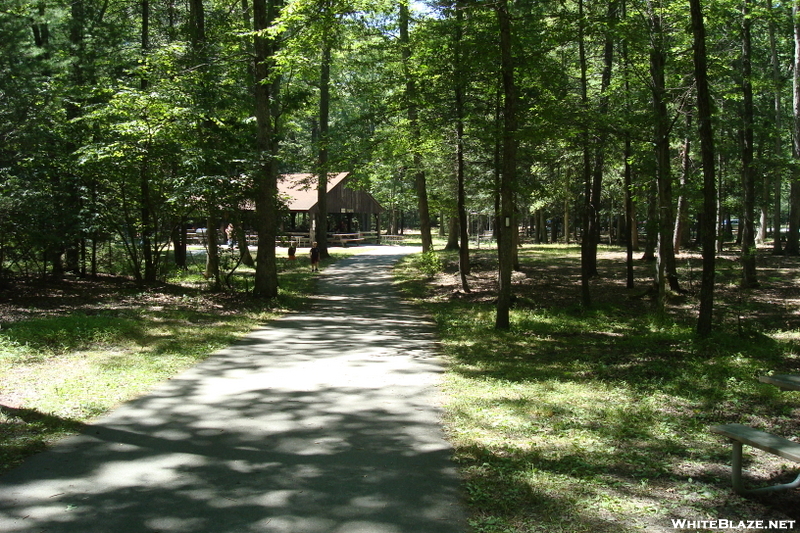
(324, 129)
(708, 218)
(417, 170)
(267, 107)
(458, 94)
(793, 235)
(507, 224)
(748, 255)
(777, 246)
(665, 269)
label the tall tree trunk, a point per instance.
(197, 25)
(507, 223)
(793, 236)
(72, 198)
(708, 217)
(267, 92)
(197, 35)
(322, 168)
(777, 245)
(463, 223)
(588, 260)
(666, 271)
(682, 211)
(600, 139)
(630, 218)
(145, 200)
(631, 229)
(748, 255)
(420, 182)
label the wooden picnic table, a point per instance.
(345, 238)
(740, 435)
(783, 381)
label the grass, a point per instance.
(597, 420)
(68, 356)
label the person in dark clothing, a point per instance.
(314, 258)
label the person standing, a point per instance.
(229, 235)
(314, 258)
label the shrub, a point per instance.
(430, 264)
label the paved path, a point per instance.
(322, 422)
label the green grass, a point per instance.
(73, 364)
(597, 420)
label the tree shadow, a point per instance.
(321, 422)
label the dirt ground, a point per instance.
(554, 282)
(35, 298)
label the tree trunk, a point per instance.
(588, 260)
(777, 245)
(630, 218)
(179, 243)
(651, 224)
(600, 140)
(267, 92)
(145, 201)
(245, 256)
(452, 233)
(666, 271)
(793, 236)
(463, 223)
(507, 223)
(682, 216)
(212, 249)
(322, 174)
(420, 183)
(748, 255)
(709, 181)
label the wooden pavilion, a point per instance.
(349, 210)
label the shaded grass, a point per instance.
(68, 364)
(597, 420)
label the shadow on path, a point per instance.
(321, 422)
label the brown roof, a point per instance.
(300, 190)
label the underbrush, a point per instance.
(598, 419)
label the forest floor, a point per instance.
(598, 419)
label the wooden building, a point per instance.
(349, 210)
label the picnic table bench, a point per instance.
(782, 381)
(393, 238)
(346, 238)
(740, 435)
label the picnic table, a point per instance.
(782, 381)
(740, 435)
(346, 238)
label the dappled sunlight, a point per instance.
(596, 419)
(320, 422)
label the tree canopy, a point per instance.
(568, 121)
